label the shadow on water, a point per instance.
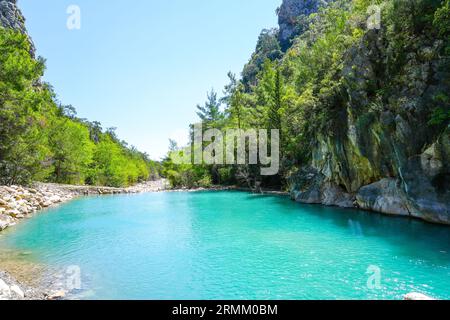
(413, 238)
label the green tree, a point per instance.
(72, 151)
(43, 140)
(210, 112)
(22, 99)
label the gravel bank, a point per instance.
(17, 203)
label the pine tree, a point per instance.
(210, 113)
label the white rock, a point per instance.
(55, 199)
(5, 291)
(3, 225)
(416, 296)
(56, 295)
(18, 291)
(46, 204)
(14, 213)
(10, 190)
(5, 222)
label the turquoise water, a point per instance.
(235, 245)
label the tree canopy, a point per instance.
(42, 140)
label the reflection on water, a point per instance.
(355, 227)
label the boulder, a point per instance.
(384, 196)
(55, 199)
(333, 195)
(16, 291)
(305, 186)
(309, 186)
(56, 295)
(416, 296)
(14, 213)
(5, 221)
(5, 291)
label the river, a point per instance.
(233, 245)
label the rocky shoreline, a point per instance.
(11, 289)
(18, 203)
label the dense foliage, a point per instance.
(305, 91)
(42, 140)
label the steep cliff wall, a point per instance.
(289, 18)
(383, 153)
(11, 17)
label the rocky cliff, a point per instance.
(289, 18)
(382, 153)
(11, 17)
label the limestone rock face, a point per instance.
(384, 155)
(315, 190)
(288, 17)
(11, 17)
(384, 196)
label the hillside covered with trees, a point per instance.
(42, 140)
(363, 110)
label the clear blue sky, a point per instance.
(143, 65)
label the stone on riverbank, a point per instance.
(10, 289)
(413, 296)
(18, 202)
